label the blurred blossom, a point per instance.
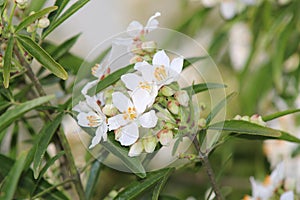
(239, 46)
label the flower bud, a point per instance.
(165, 137)
(137, 49)
(149, 143)
(136, 149)
(22, 3)
(109, 110)
(149, 46)
(136, 59)
(201, 123)
(3, 46)
(147, 58)
(168, 125)
(43, 22)
(173, 107)
(182, 97)
(237, 117)
(31, 28)
(167, 91)
(256, 119)
(246, 118)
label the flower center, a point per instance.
(267, 181)
(146, 86)
(130, 113)
(95, 68)
(94, 120)
(160, 73)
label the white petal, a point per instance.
(92, 102)
(83, 119)
(176, 65)
(141, 99)
(149, 144)
(88, 86)
(161, 58)
(116, 122)
(134, 28)
(129, 134)
(228, 9)
(146, 69)
(152, 22)
(121, 101)
(249, 2)
(131, 80)
(136, 149)
(148, 120)
(82, 107)
(287, 196)
(101, 132)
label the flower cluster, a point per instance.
(145, 108)
(255, 119)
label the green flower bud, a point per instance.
(169, 126)
(31, 28)
(149, 46)
(201, 123)
(22, 3)
(149, 143)
(109, 110)
(167, 91)
(173, 107)
(43, 22)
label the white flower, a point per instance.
(137, 31)
(143, 92)
(289, 195)
(162, 72)
(90, 115)
(230, 8)
(131, 118)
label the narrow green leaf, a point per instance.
(288, 137)
(13, 114)
(61, 4)
(47, 133)
(35, 6)
(218, 107)
(93, 178)
(111, 78)
(205, 86)
(279, 114)
(245, 127)
(65, 47)
(189, 61)
(31, 18)
(69, 12)
(138, 187)
(42, 56)
(7, 61)
(133, 163)
(158, 188)
(11, 181)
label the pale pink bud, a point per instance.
(173, 107)
(182, 97)
(136, 59)
(256, 119)
(43, 22)
(165, 137)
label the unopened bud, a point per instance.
(167, 91)
(246, 118)
(136, 59)
(256, 119)
(3, 46)
(22, 3)
(165, 137)
(31, 28)
(109, 110)
(168, 125)
(147, 57)
(182, 97)
(43, 22)
(149, 46)
(136, 149)
(201, 123)
(137, 49)
(149, 143)
(173, 107)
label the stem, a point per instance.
(11, 16)
(211, 175)
(61, 136)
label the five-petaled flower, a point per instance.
(126, 124)
(162, 71)
(90, 115)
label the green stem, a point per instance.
(11, 16)
(61, 136)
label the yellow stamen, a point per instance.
(145, 85)
(160, 73)
(93, 120)
(130, 113)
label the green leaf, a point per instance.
(32, 18)
(189, 61)
(111, 78)
(42, 56)
(69, 12)
(204, 86)
(101, 56)
(47, 133)
(61, 4)
(138, 187)
(158, 188)
(13, 114)
(245, 127)
(35, 6)
(65, 47)
(279, 114)
(133, 163)
(11, 181)
(7, 61)
(93, 178)
(218, 107)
